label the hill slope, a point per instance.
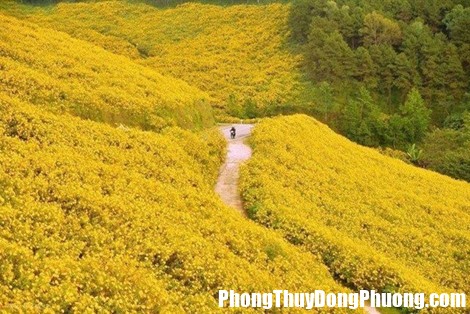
(53, 70)
(116, 220)
(377, 222)
(236, 52)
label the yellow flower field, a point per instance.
(116, 220)
(51, 69)
(109, 156)
(376, 222)
(239, 51)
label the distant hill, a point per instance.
(53, 70)
(235, 54)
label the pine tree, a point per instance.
(380, 30)
(433, 69)
(416, 36)
(328, 57)
(406, 75)
(357, 17)
(361, 119)
(325, 99)
(401, 9)
(315, 54)
(366, 70)
(415, 117)
(384, 57)
(301, 15)
(456, 80)
(457, 22)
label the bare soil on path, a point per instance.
(237, 152)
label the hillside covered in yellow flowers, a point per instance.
(121, 220)
(109, 154)
(376, 222)
(53, 70)
(234, 53)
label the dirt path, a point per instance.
(371, 310)
(238, 151)
(227, 183)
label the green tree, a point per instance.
(464, 55)
(326, 25)
(415, 117)
(384, 57)
(400, 9)
(348, 22)
(233, 107)
(415, 37)
(394, 133)
(380, 30)
(366, 71)
(250, 109)
(456, 79)
(361, 119)
(432, 12)
(457, 23)
(357, 18)
(406, 76)
(326, 100)
(328, 57)
(300, 17)
(448, 150)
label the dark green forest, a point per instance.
(392, 73)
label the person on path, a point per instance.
(233, 132)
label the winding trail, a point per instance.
(237, 152)
(227, 183)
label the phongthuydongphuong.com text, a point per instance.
(355, 300)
